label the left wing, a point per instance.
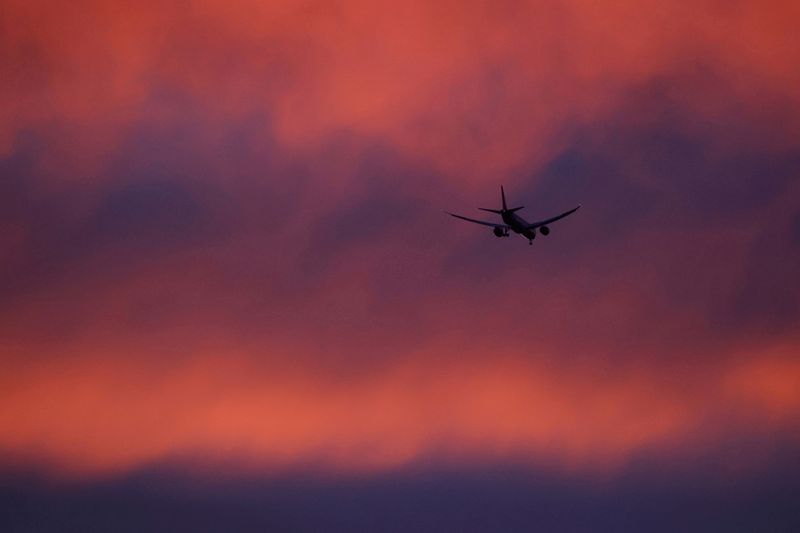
(534, 225)
(492, 224)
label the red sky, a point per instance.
(221, 238)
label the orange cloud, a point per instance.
(108, 413)
(128, 351)
(475, 88)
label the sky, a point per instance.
(230, 298)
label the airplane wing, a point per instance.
(534, 225)
(492, 224)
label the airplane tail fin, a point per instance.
(505, 206)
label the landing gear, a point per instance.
(530, 242)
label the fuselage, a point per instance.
(518, 225)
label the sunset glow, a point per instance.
(222, 245)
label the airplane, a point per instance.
(514, 222)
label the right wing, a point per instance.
(492, 224)
(534, 225)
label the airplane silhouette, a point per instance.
(514, 222)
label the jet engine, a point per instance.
(544, 230)
(498, 232)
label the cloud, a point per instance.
(222, 235)
(475, 88)
(106, 413)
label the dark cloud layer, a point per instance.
(471, 499)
